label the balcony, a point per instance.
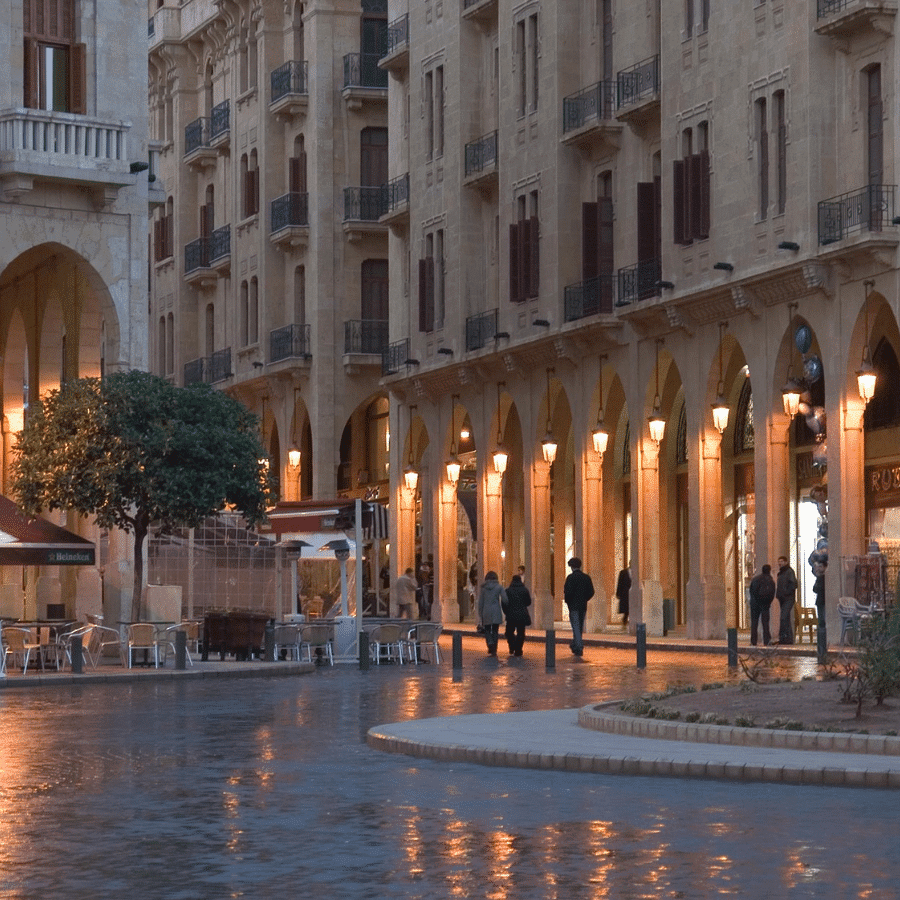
(205, 138)
(289, 221)
(36, 145)
(637, 92)
(639, 282)
(589, 298)
(366, 338)
(363, 80)
(206, 258)
(481, 161)
(396, 201)
(842, 19)
(290, 342)
(480, 329)
(164, 26)
(868, 209)
(394, 357)
(590, 115)
(289, 90)
(483, 12)
(363, 207)
(220, 125)
(210, 369)
(397, 57)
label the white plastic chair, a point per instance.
(852, 614)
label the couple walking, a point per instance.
(763, 590)
(495, 602)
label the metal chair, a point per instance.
(386, 644)
(19, 644)
(141, 637)
(318, 638)
(852, 614)
(422, 642)
(287, 640)
(191, 640)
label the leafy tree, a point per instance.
(131, 449)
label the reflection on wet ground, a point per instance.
(265, 788)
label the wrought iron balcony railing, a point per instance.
(396, 193)
(289, 342)
(397, 33)
(203, 252)
(638, 282)
(830, 7)
(638, 82)
(480, 329)
(210, 370)
(593, 104)
(481, 154)
(871, 207)
(587, 298)
(220, 119)
(220, 243)
(290, 78)
(196, 135)
(361, 70)
(194, 372)
(364, 204)
(289, 209)
(365, 336)
(393, 356)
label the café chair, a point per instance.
(421, 644)
(18, 643)
(386, 644)
(287, 640)
(191, 640)
(807, 623)
(318, 638)
(852, 613)
(141, 638)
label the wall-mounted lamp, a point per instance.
(453, 464)
(720, 407)
(866, 377)
(548, 444)
(665, 285)
(257, 364)
(410, 475)
(294, 452)
(600, 436)
(789, 245)
(542, 322)
(723, 266)
(793, 388)
(411, 362)
(136, 167)
(656, 420)
(446, 351)
(500, 335)
(501, 457)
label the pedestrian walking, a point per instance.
(819, 591)
(577, 591)
(491, 598)
(423, 595)
(762, 593)
(623, 592)
(518, 599)
(786, 592)
(405, 588)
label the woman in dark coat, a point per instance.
(491, 599)
(623, 588)
(518, 599)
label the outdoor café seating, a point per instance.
(852, 614)
(287, 641)
(386, 643)
(421, 643)
(141, 637)
(317, 638)
(191, 640)
(19, 645)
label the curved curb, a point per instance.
(438, 739)
(598, 717)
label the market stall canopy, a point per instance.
(28, 541)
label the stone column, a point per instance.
(539, 518)
(646, 603)
(594, 559)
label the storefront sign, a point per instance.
(882, 486)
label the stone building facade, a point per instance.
(268, 267)
(74, 194)
(618, 216)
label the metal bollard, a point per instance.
(457, 650)
(180, 650)
(364, 651)
(77, 651)
(732, 647)
(269, 651)
(550, 649)
(640, 633)
(821, 643)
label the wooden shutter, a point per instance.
(702, 217)
(605, 258)
(256, 190)
(657, 215)
(32, 97)
(534, 257)
(679, 235)
(646, 215)
(426, 294)
(524, 259)
(77, 88)
(514, 284)
(157, 240)
(590, 223)
(297, 173)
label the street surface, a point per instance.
(265, 788)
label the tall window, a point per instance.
(434, 112)
(875, 125)
(210, 335)
(606, 38)
(527, 57)
(597, 244)
(373, 157)
(762, 156)
(649, 232)
(431, 282)
(691, 187)
(374, 282)
(161, 346)
(300, 295)
(524, 250)
(778, 100)
(54, 61)
(297, 29)
(253, 312)
(250, 182)
(297, 167)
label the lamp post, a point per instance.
(793, 388)
(600, 436)
(453, 464)
(866, 376)
(501, 457)
(294, 452)
(720, 407)
(548, 444)
(410, 475)
(656, 420)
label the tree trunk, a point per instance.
(141, 526)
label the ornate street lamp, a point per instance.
(453, 464)
(410, 475)
(548, 444)
(866, 376)
(600, 436)
(501, 457)
(790, 393)
(656, 420)
(294, 452)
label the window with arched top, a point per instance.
(681, 452)
(744, 436)
(626, 450)
(883, 410)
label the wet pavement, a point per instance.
(265, 787)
